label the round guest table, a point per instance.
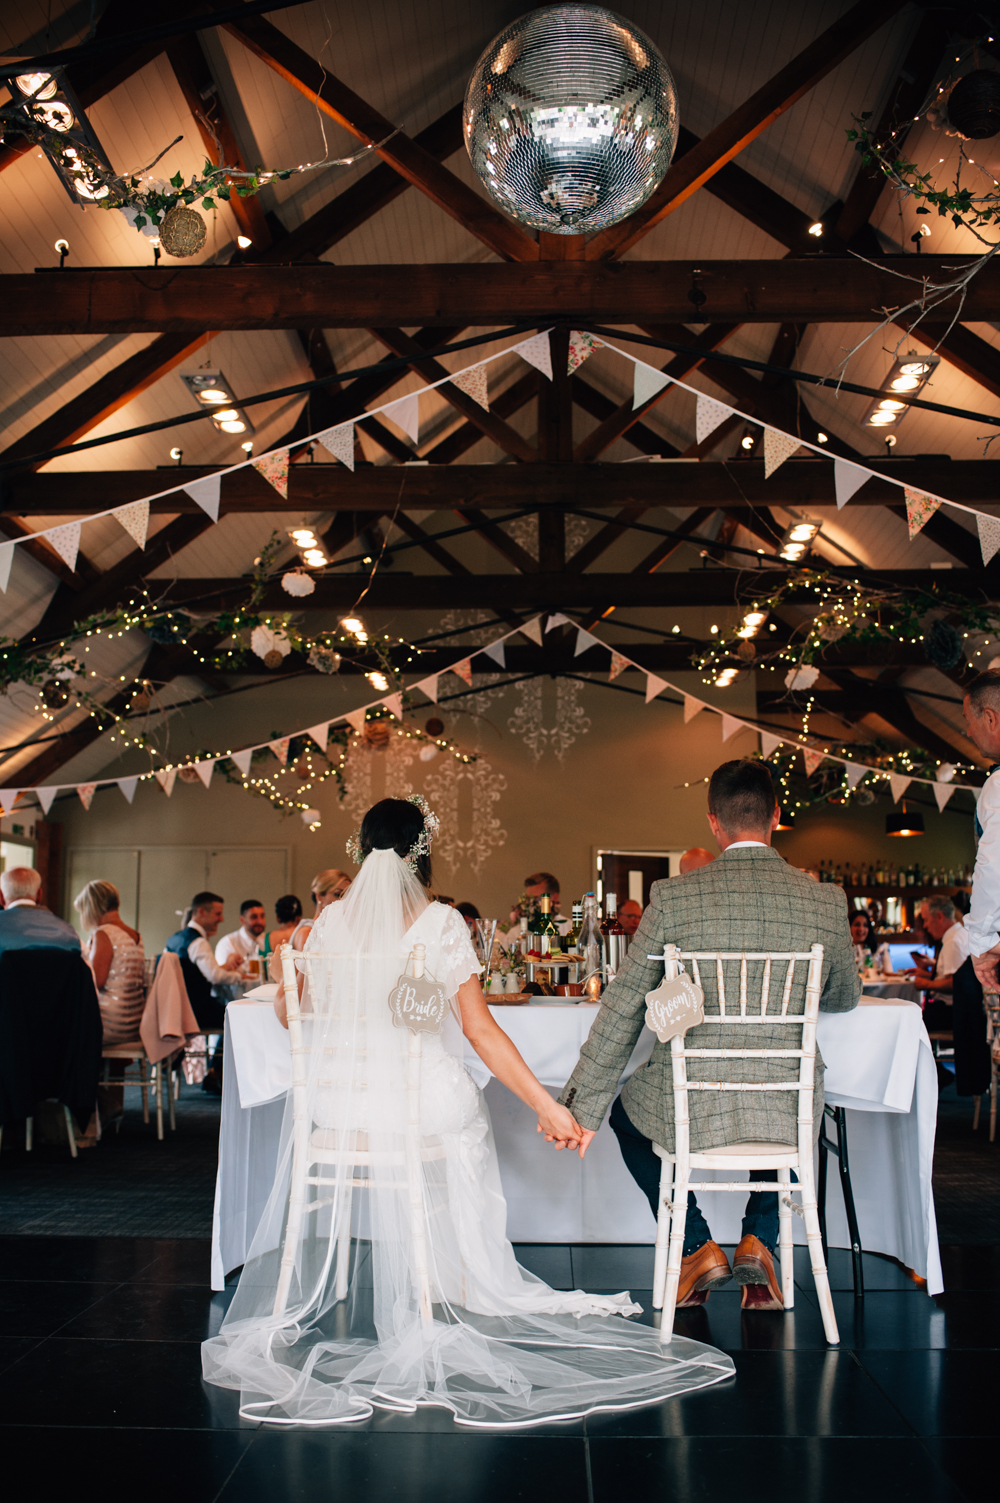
(879, 1066)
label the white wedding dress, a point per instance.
(495, 1345)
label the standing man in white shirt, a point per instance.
(982, 716)
(939, 917)
(243, 941)
(202, 973)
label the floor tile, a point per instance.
(889, 1320)
(829, 1470)
(939, 1393)
(191, 1465)
(79, 1259)
(40, 1308)
(971, 1267)
(13, 1348)
(967, 1460)
(721, 1322)
(428, 1468)
(145, 1312)
(135, 1384)
(621, 1267)
(879, 1273)
(773, 1393)
(548, 1260)
(185, 1260)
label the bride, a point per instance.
(380, 1275)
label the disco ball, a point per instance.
(570, 118)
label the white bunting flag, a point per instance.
(778, 447)
(533, 630)
(274, 468)
(45, 797)
(242, 760)
(406, 415)
(691, 707)
(66, 541)
(206, 493)
(86, 792)
(898, 784)
(8, 798)
(646, 383)
(340, 443)
(730, 725)
(205, 770)
(708, 414)
(654, 686)
(989, 535)
(942, 793)
(812, 759)
(394, 704)
(581, 347)
(166, 777)
(618, 665)
(473, 382)
(769, 744)
(6, 559)
(496, 652)
(537, 352)
(429, 686)
(320, 734)
(919, 509)
(585, 639)
(463, 670)
(280, 749)
(847, 478)
(128, 787)
(855, 772)
(135, 519)
(356, 720)
(556, 619)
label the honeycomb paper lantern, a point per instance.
(182, 232)
(570, 118)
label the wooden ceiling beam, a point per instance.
(500, 540)
(504, 405)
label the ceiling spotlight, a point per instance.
(921, 234)
(177, 454)
(378, 681)
(907, 376)
(822, 438)
(816, 229)
(315, 558)
(304, 536)
(751, 624)
(749, 440)
(726, 677)
(244, 242)
(797, 540)
(353, 624)
(61, 249)
(233, 426)
(247, 446)
(211, 389)
(37, 85)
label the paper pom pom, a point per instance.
(182, 232)
(311, 818)
(54, 694)
(428, 753)
(188, 775)
(801, 678)
(297, 583)
(945, 773)
(264, 641)
(274, 658)
(324, 660)
(376, 733)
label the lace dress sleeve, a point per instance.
(457, 961)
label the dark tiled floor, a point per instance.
(102, 1336)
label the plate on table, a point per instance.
(508, 999)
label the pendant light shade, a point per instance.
(904, 823)
(786, 821)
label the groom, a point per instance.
(748, 900)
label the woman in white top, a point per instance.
(866, 945)
(116, 957)
(327, 887)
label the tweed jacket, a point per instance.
(750, 899)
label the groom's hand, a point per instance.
(586, 1138)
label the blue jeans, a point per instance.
(760, 1219)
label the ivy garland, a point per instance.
(966, 208)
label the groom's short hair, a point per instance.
(551, 882)
(741, 796)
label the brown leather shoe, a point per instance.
(753, 1267)
(701, 1272)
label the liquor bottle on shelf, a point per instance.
(589, 943)
(548, 934)
(576, 925)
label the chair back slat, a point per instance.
(697, 973)
(765, 988)
(721, 982)
(789, 976)
(743, 986)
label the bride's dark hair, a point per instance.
(395, 824)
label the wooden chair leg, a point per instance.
(977, 1102)
(662, 1233)
(158, 1094)
(785, 1239)
(344, 1243)
(816, 1259)
(70, 1132)
(145, 1090)
(678, 1225)
(29, 1134)
(171, 1092)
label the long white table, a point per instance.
(879, 1066)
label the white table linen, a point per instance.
(879, 1065)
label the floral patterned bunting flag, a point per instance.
(812, 759)
(778, 447)
(581, 347)
(135, 519)
(464, 671)
(86, 792)
(280, 749)
(339, 442)
(919, 507)
(708, 414)
(618, 665)
(537, 352)
(989, 535)
(274, 468)
(66, 541)
(474, 383)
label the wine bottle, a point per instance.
(590, 937)
(615, 939)
(548, 934)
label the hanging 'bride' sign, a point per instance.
(418, 1003)
(674, 1007)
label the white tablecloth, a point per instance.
(879, 1065)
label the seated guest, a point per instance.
(537, 886)
(696, 857)
(288, 912)
(629, 914)
(326, 888)
(116, 957)
(24, 923)
(243, 941)
(959, 989)
(866, 943)
(202, 973)
(749, 899)
(468, 911)
(940, 921)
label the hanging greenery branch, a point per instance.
(829, 783)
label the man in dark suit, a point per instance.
(24, 923)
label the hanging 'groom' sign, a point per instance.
(674, 1007)
(418, 1003)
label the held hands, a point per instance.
(559, 1126)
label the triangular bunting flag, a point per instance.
(8, 798)
(274, 468)
(406, 415)
(898, 784)
(581, 347)
(585, 639)
(320, 734)
(556, 619)
(45, 797)
(166, 778)
(206, 493)
(6, 559)
(135, 519)
(769, 744)
(691, 708)
(242, 760)
(654, 686)
(847, 478)
(394, 704)
(812, 759)
(778, 447)
(855, 772)
(86, 792)
(646, 382)
(730, 725)
(66, 541)
(618, 665)
(128, 787)
(473, 383)
(533, 630)
(280, 749)
(989, 535)
(942, 793)
(496, 652)
(205, 770)
(708, 414)
(429, 686)
(537, 352)
(919, 507)
(356, 720)
(340, 443)
(464, 671)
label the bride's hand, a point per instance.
(559, 1126)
